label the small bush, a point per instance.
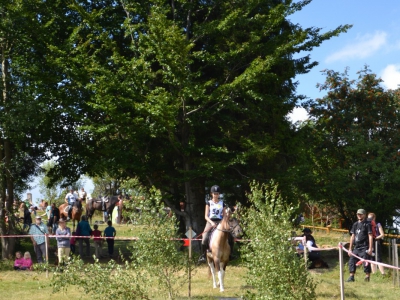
(274, 270)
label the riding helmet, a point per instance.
(215, 189)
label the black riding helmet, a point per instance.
(215, 189)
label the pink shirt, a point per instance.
(18, 262)
(27, 263)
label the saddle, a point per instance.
(103, 200)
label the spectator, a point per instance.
(27, 217)
(110, 234)
(97, 240)
(72, 242)
(84, 231)
(19, 260)
(361, 238)
(379, 235)
(39, 234)
(27, 263)
(310, 244)
(63, 234)
(54, 217)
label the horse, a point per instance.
(106, 204)
(218, 258)
(76, 212)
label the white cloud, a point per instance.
(391, 76)
(364, 46)
(298, 114)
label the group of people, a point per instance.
(365, 244)
(66, 241)
(365, 234)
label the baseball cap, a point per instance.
(215, 189)
(361, 211)
(38, 217)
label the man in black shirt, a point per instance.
(54, 217)
(362, 239)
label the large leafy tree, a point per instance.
(31, 121)
(353, 158)
(186, 94)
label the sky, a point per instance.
(374, 40)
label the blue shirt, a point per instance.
(34, 230)
(109, 231)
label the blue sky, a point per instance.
(374, 40)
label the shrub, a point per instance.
(274, 270)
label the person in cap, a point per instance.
(362, 240)
(70, 198)
(213, 214)
(63, 235)
(39, 234)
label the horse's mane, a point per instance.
(224, 224)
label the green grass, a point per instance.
(24, 285)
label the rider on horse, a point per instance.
(71, 199)
(213, 215)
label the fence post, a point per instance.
(47, 254)
(393, 243)
(190, 262)
(341, 271)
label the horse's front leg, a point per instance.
(221, 276)
(211, 264)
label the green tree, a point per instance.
(354, 154)
(178, 95)
(273, 268)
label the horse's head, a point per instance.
(235, 228)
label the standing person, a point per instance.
(63, 234)
(84, 231)
(39, 234)
(54, 217)
(96, 233)
(362, 239)
(213, 214)
(379, 234)
(110, 234)
(27, 217)
(70, 198)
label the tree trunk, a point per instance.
(195, 207)
(7, 188)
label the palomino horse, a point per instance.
(220, 249)
(76, 212)
(106, 204)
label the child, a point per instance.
(18, 260)
(27, 262)
(110, 233)
(97, 240)
(72, 242)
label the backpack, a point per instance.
(374, 228)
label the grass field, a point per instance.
(24, 285)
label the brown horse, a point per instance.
(106, 204)
(76, 212)
(219, 256)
